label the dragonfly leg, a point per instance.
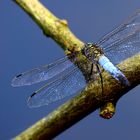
(101, 78)
(91, 71)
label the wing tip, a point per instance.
(19, 75)
(14, 82)
(19, 81)
(31, 103)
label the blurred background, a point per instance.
(23, 46)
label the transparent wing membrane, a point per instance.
(124, 49)
(72, 83)
(47, 72)
(64, 78)
(124, 41)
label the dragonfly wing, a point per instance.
(124, 41)
(47, 72)
(64, 86)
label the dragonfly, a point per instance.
(68, 75)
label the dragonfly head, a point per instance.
(92, 52)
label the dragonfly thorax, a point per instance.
(92, 52)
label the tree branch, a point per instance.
(91, 98)
(51, 26)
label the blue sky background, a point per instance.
(23, 46)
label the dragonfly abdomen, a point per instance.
(114, 71)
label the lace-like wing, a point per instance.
(48, 72)
(124, 41)
(64, 86)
